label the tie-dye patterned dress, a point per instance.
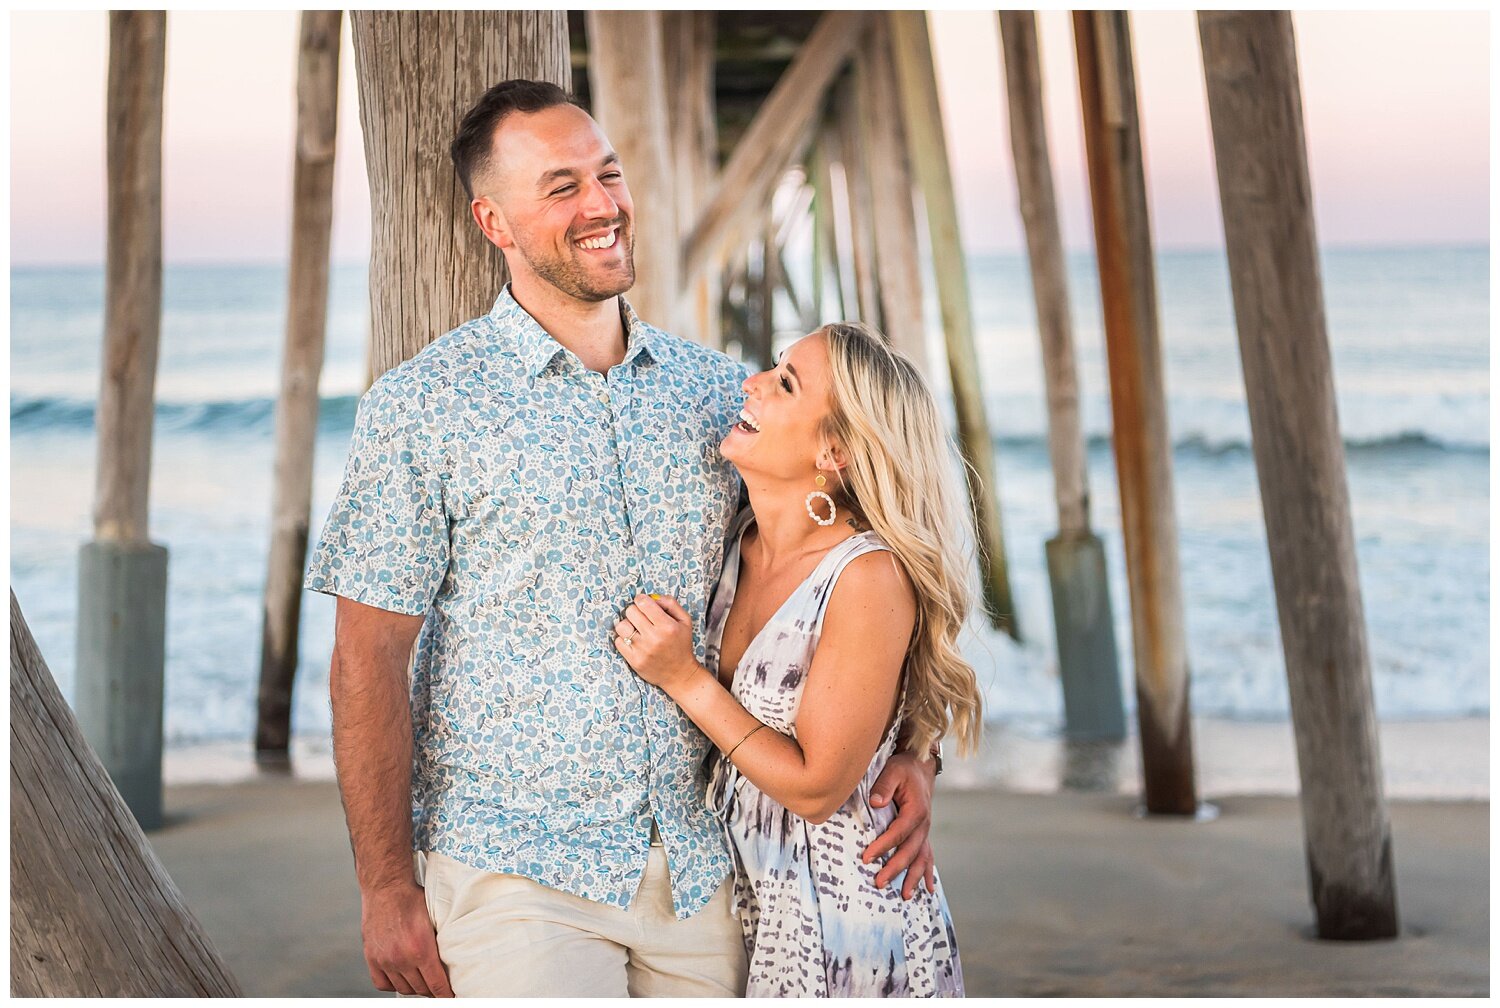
(815, 924)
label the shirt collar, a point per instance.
(536, 347)
(640, 338)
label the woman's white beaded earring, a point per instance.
(833, 510)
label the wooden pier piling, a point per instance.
(796, 216)
(1255, 107)
(819, 245)
(419, 71)
(1084, 619)
(898, 266)
(132, 305)
(689, 40)
(122, 583)
(1142, 439)
(860, 198)
(628, 91)
(301, 366)
(765, 296)
(837, 298)
(923, 122)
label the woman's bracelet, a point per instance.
(741, 742)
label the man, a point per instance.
(509, 490)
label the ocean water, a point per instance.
(1409, 329)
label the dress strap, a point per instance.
(847, 551)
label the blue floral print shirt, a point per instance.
(519, 501)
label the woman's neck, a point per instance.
(784, 532)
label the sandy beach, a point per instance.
(1053, 894)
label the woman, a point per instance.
(815, 634)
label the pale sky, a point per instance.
(1396, 104)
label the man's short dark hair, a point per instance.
(471, 146)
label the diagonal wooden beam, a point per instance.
(98, 914)
(775, 136)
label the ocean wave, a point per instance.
(1205, 446)
(37, 414)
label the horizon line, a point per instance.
(1344, 246)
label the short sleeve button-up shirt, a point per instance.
(519, 501)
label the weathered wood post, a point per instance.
(860, 197)
(819, 210)
(92, 911)
(827, 261)
(801, 306)
(1255, 105)
(765, 335)
(737, 307)
(122, 575)
(690, 37)
(840, 248)
(898, 267)
(1142, 440)
(1081, 610)
(795, 213)
(922, 118)
(798, 216)
(628, 91)
(301, 364)
(419, 72)
(757, 342)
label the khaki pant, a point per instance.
(507, 936)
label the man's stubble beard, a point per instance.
(568, 275)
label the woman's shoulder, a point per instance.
(867, 610)
(869, 577)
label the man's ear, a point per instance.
(491, 222)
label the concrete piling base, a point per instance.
(1093, 703)
(122, 605)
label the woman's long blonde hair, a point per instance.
(899, 476)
